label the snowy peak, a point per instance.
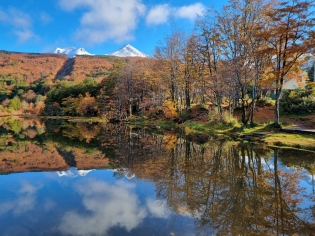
(128, 51)
(71, 51)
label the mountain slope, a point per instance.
(128, 51)
(72, 51)
(20, 68)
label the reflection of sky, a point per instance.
(25, 201)
(97, 204)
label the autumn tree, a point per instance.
(211, 50)
(106, 101)
(193, 68)
(87, 106)
(290, 34)
(169, 53)
(237, 25)
(30, 96)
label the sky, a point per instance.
(99, 26)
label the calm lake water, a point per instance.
(61, 178)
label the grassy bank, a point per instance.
(299, 141)
(273, 137)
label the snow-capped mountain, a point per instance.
(72, 51)
(128, 51)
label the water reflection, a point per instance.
(231, 188)
(106, 206)
(24, 202)
(159, 183)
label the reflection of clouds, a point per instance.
(49, 205)
(156, 208)
(25, 201)
(108, 206)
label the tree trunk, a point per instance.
(187, 96)
(276, 111)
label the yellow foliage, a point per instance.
(188, 130)
(169, 110)
(169, 141)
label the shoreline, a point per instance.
(202, 132)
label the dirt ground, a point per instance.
(266, 114)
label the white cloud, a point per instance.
(24, 35)
(106, 19)
(160, 14)
(190, 12)
(21, 24)
(45, 18)
(3, 16)
(109, 206)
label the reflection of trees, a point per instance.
(298, 158)
(229, 189)
(81, 131)
(136, 145)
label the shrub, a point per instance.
(265, 101)
(301, 101)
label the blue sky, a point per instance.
(100, 26)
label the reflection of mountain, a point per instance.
(34, 157)
(73, 172)
(125, 172)
(228, 188)
(30, 157)
(20, 151)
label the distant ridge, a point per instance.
(72, 51)
(128, 51)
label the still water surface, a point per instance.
(60, 178)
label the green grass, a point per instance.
(266, 127)
(299, 141)
(210, 127)
(142, 120)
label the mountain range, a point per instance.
(126, 51)
(72, 51)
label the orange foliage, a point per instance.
(89, 67)
(31, 67)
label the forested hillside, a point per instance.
(26, 78)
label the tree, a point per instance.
(290, 34)
(169, 53)
(193, 69)
(15, 103)
(211, 51)
(237, 26)
(87, 106)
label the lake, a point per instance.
(68, 178)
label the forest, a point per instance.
(234, 60)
